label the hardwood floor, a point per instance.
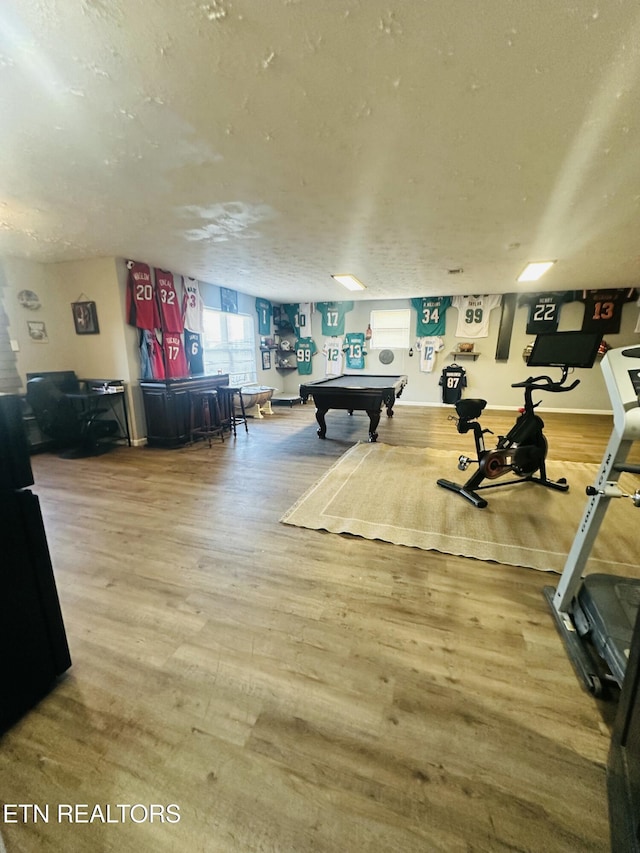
(292, 690)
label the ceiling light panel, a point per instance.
(535, 270)
(349, 281)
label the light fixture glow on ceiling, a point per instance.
(349, 281)
(535, 270)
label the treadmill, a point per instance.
(596, 614)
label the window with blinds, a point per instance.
(390, 329)
(229, 345)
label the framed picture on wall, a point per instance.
(266, 359)
(229, 300)
(37, 332)
(85, 318)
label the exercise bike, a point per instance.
(523, 450)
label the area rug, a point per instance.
(377, 491)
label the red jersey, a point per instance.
(142, 309)
(174, 356)
(168, 304)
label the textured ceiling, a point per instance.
(265, 144)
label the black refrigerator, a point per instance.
(33, 641)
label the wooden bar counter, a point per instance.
(167, 406)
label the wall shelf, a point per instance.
(457, 354)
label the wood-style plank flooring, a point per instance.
(292, 690)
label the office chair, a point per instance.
(77, 433)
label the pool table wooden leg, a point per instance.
(320, 413)
(374, 420)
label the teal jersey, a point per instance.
(333, 314)
(305, 349)
(354, 350)
(431, 315)
(264, 309)
(299, 316)
(291, 310)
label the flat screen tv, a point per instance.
(565, 349)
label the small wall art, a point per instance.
(85, 318)
(37, 331)
(229, 300)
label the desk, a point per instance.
(99, 393)
(354, 393)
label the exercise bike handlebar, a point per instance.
(546, 383)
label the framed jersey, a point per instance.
(431, 315)
(305, 350)
(169, 307)
(333, 314)
(428, 348)
(151, 360)
(142, 309)
(175, 360)
(473, 314)
(354, 350)
(194, 352)
(332, 351)
(544, 310)
(192, 306)
(264, 310)
(603, 309)
(452, 380)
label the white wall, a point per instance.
(486, 377)
(58, 285)
(111, 354)
(114, 352)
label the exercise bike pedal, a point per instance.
(464, 462)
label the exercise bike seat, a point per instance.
(469, 409)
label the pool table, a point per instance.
(354, 393)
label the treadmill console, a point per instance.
(621, 371)
(634, 373)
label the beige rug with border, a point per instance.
(379, 491)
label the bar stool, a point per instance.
(231, 415)
(205, 417)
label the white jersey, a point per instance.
(192, 306)
(428, 347)
(473, 314)
(332, 351)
